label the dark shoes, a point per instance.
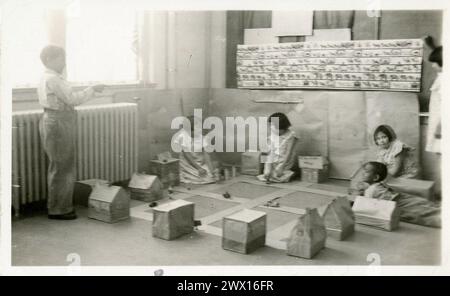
(69, 216)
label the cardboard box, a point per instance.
(83, 189)
(167, 171)
(145, 187)
(109, 203)
(379, 213)
(251, 163)
(315, 175)
(173, 219)
(244, 231)
(308, 237)
(312, 162)
(338, 218)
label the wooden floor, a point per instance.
(409, 245)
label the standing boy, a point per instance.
(58, 130)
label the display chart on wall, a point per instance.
(393, 65)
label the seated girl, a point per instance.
(397, 156)
(195, 163)
(281, 159)
(413, 209)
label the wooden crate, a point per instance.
(173, 219)
(308, 237)
(83, 189)
(251, 163)
(315, 175)
(168, 171)
(379, 213)
(338, 218)
(312, 162)
(244, 231)
(145, 187)
(109, 203)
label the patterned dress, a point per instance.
(409, 167)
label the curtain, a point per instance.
(333, 19)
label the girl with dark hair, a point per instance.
(396, 155)
(281, 159)
(434, 120)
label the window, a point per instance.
(30, 35)
(101, 44)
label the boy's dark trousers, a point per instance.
(57, 131)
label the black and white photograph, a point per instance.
(224, 139)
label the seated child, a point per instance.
(281, 159)
(397, 156)
(195, 163)
(413, 209)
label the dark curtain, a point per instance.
(333, 19)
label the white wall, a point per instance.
(187, 49)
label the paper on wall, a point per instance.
(259, 36)
(330, 35)
(347, 132)
(292, 23)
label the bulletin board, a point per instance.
(393, 65)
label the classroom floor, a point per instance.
(38, 241)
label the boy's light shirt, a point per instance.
(56, 93)
(380, 191)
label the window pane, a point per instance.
(100, 44)
(30, 36)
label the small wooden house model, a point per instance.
(109, 203)
(83, 189)
(308, 236)
(338, 218)
(145, 187)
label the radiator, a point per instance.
(106, 148)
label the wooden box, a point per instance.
(244, 231)
(312, 162)
(83, 189)
(145, 187)
(422, 188)
(173, 219)
(251, 163)
(109, 203)
(308, 237)
(379, 213)
(315, 175)
(168, 171)
(338, 218)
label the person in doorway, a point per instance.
(434, 121)
(58, 130)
